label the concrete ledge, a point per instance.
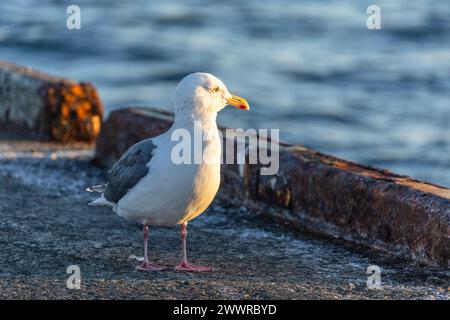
(39, 106)
(373, 207)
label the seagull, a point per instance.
(149, 186)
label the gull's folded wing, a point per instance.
(130, 168)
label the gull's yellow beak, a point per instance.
(238, 102)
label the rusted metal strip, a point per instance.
(36, 105)
(322, 193)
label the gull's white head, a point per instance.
(201, 94)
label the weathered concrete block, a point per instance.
(36, 105)
(318, 192)
(125, 127)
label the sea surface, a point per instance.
(309, 68)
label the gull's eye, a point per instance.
(214, 89)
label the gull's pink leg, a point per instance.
(146, 265)
(184, 264)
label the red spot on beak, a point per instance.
(242, 107)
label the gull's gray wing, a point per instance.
(130, 168)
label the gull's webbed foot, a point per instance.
(189, 267)
(147, 266)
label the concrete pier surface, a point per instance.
(46, 226)
(311, 190)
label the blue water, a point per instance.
(310, 68)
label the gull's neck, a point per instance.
(206, 121)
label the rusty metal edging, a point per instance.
(40, 106)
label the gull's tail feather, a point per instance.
(98, 188)
(102, 202)
(98, 202)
